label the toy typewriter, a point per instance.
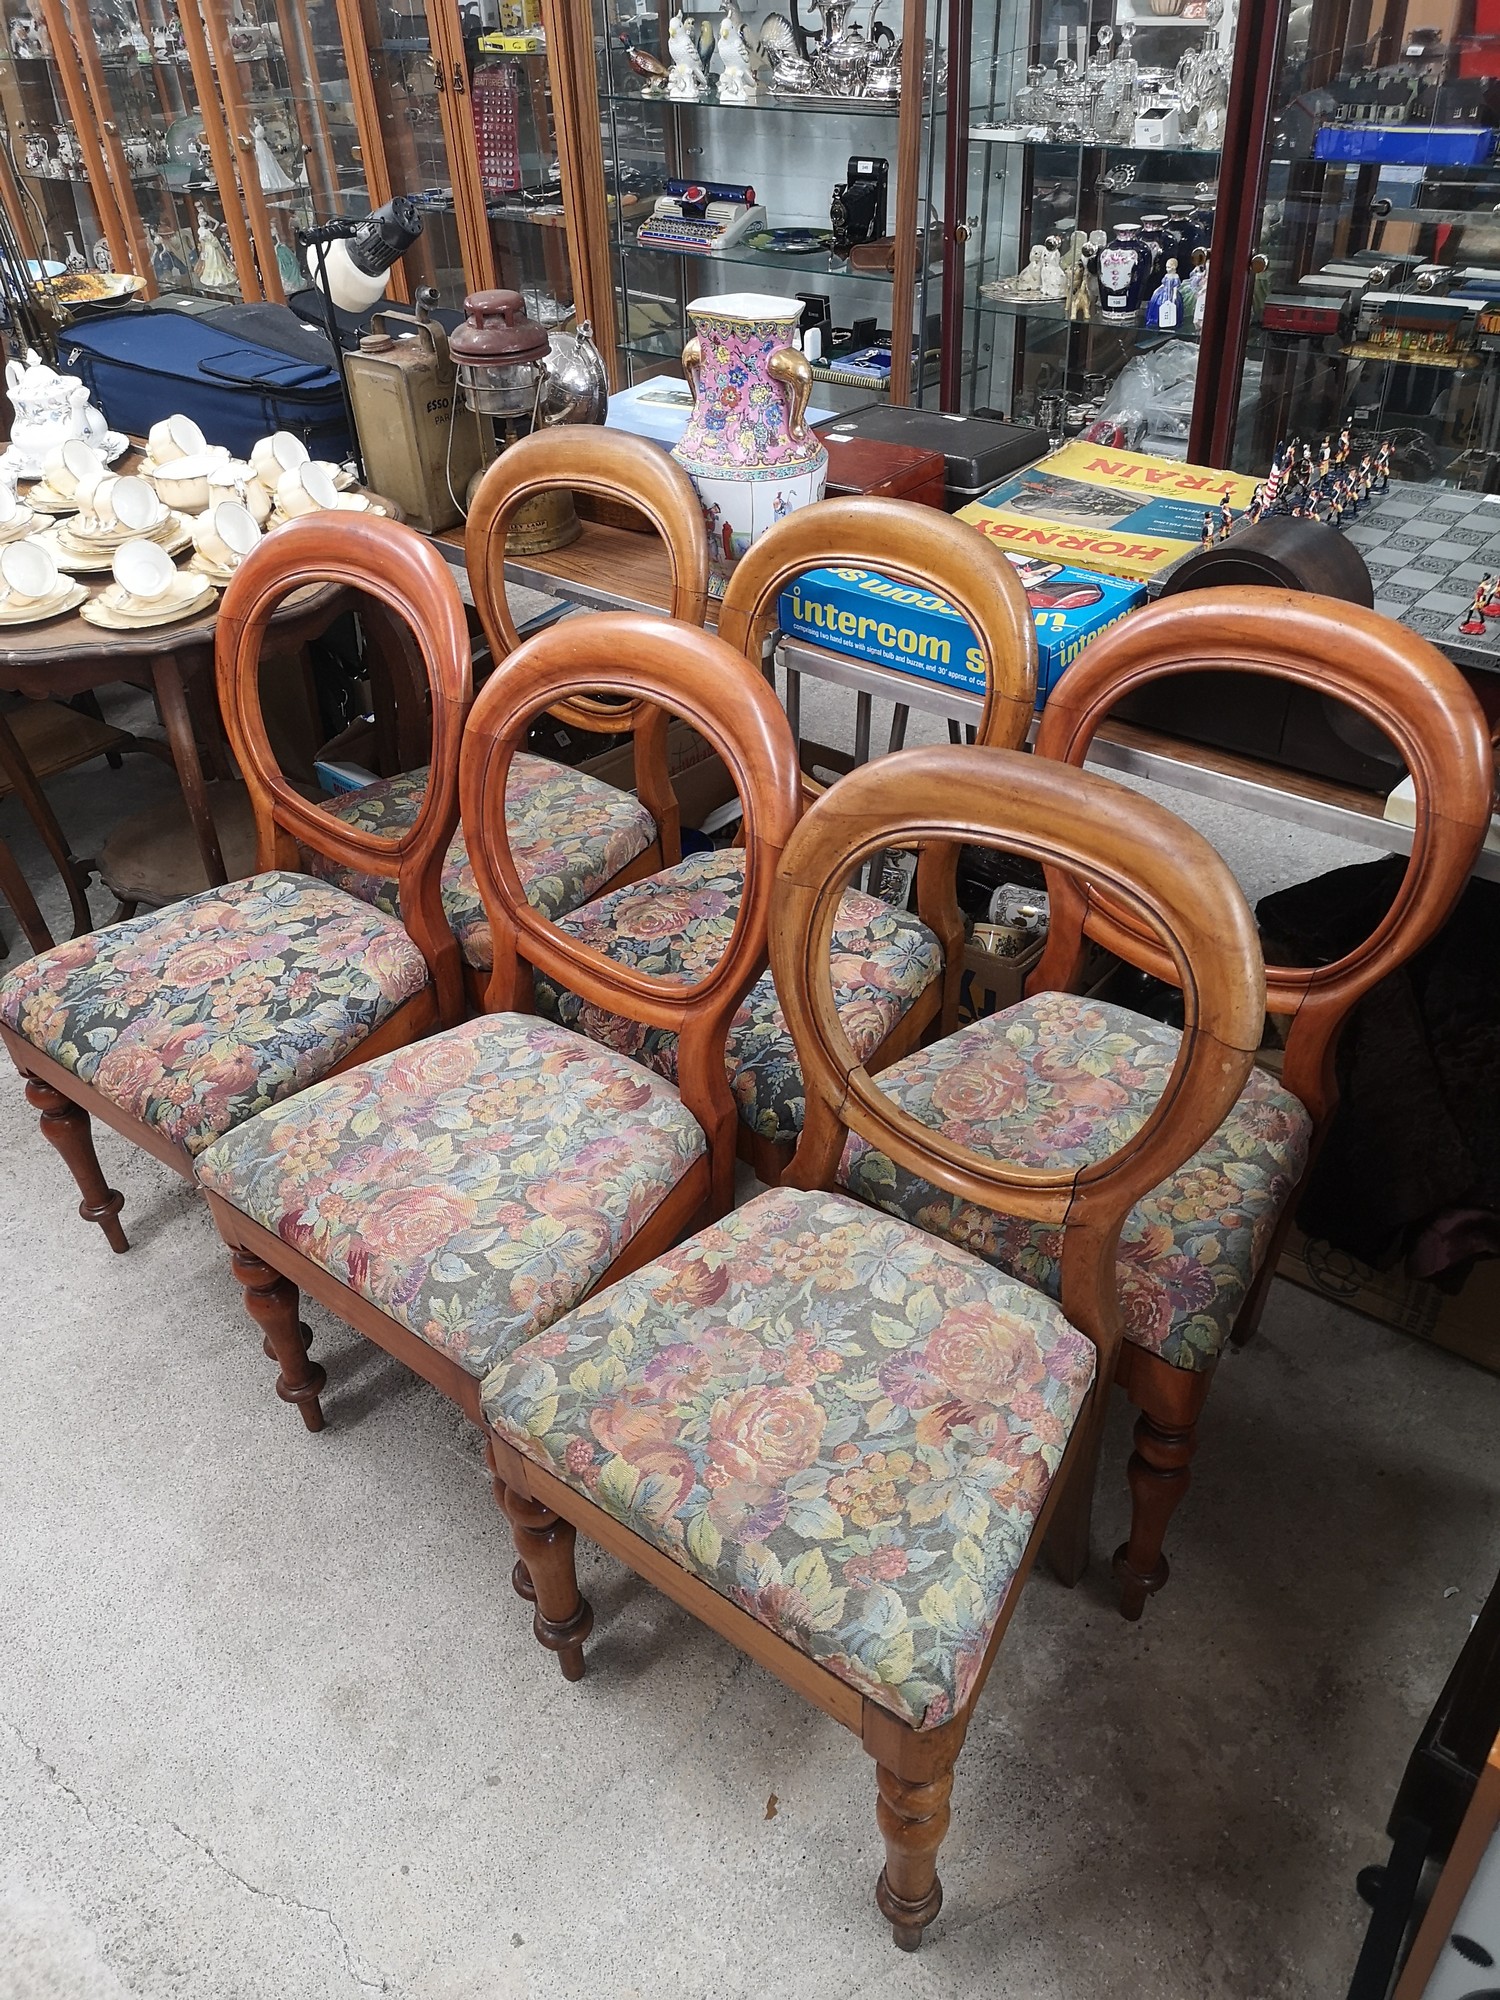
(701, 217)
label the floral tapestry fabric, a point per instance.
(843, 1425)
(570, 834)
(198, 1016)
(1059, 1081)
(675, 924)
(472, 1186)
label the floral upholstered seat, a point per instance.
(472, 1186)
(570, 833)
(195, 1017)
(1060, 1081)
(676, 923)
(843, 1425)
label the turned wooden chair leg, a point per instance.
(66, 1126)
(913, 1818)
(1159, 1476)
(520, 1576)
(544, 1542)
(271, 1301)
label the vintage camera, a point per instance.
(857, 211)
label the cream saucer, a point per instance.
(88, 555)
(116, 612)
(199, 565)
(25, 522)
(43, 499)
(67, 597)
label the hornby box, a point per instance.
(861, 612)
(1117, 512)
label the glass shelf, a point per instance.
(818, 264)
(839, 107)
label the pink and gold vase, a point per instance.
(747, 447)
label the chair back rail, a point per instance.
(1166, 876)
(403, 573)
(666, 666)
(919, 546)
(1390, 676)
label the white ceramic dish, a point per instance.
(28, 572)
(137, 505)
(183, 485)
(174, 439)
(281, 452)
(143, 571)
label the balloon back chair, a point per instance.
(891, 970)
(573, 835)
(451, 1202)
(1198, 1252)
(178, 1025)
(834, 1437)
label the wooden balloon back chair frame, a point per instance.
(610, 465)
(930, 551)
(406, 577)
(1183, 896)
(660, 666)
(1406, 688)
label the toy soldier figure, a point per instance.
(1345, 445)
(1207, 539)
(1489, 595)
(1257, 505)
(1383, 467)
(1325, 458)
(1475, 621)
(1226, 517)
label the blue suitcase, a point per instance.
(143, 366)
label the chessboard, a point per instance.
(1426, 547)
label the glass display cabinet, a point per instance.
(190, 143)
(762, 155)
(1372, 295)
(1092, 195)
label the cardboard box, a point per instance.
(1466, 1322)
(991, 982)
(859, 611)
(1119, 513)
(700, 781)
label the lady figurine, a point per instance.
(1164, 307)
(272, 175)
(685, 79)
(737, 84)
(215, 272)
(165, 262)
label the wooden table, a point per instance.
(67, 656)
(614, 569)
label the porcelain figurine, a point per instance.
(685, 79)
(38, 156)
(215, 272)
(1164, 308)
(737, 79)
(74, 261)
(102, 261)
(273, 177)
(747, 448)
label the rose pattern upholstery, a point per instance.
(472, 1186)
(570, 834)
(196, 1017)
(1061, 1081)
(839, 1423)
(675, 925)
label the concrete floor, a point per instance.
(273, 1726)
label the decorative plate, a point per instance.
(792, 242)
